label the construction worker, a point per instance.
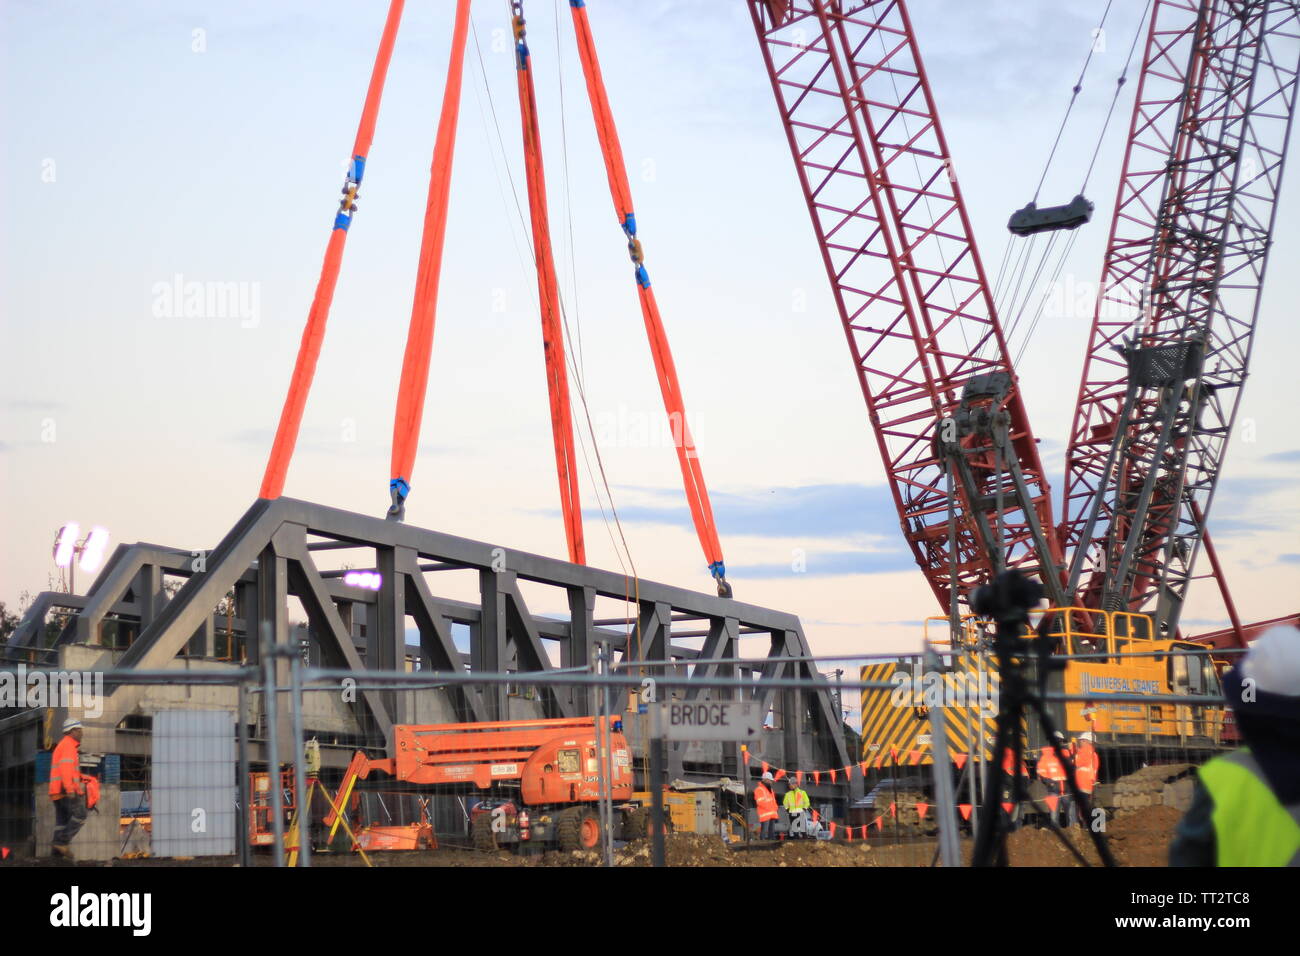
(1087, 765)
(1090, 714)
(797, 804)
(67, 789)
(1246, 804)
(1009, 792)
(765, 804)
(1051, 772)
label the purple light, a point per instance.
(364, 579)
(92, 552)
(66, 544)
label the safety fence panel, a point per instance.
(95, 771)
(199, 765)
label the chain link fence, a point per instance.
(199, 764)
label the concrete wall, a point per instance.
(99, 839)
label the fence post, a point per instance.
(944, 798)
(245, 850)
(605, 765)
(301, 810)
(657, 788)
(607, 655)
(272, 745)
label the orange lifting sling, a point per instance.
(557, 379)
(697, 493)
(419, 342)
(313, 335)
(419, 337)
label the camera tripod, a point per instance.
(1007, 600)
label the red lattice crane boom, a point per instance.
(1174, 328)
(910, 288)
(1171, 339)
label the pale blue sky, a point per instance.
(132, 159)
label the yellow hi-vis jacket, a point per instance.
(796, 799)
(1251, 826)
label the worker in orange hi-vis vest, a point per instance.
(1051, 772)
(765, 804)
(67, 789)
(1009, 799)
(1095, 717)
(1087, 765)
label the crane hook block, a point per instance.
(1031, 219)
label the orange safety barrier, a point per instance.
(313, 335)
(419, 338)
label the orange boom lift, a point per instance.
(542, 778)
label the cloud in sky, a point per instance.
(847, 513)
(850, 514)
(828, 564)
(837, 510)
(1242, 506)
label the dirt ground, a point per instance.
(1137, 838)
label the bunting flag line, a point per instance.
(900, 758)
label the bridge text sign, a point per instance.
(709, 719)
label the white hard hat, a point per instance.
(767, 775)
(1086, 735)
(71, 724)
(1273, 661)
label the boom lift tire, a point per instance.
(577, 828)
(482, 835)
(640, 824)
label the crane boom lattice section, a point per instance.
(1188, 352)
(910, 287)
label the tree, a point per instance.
(8, 622)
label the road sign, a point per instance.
(710, 719)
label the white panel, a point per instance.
(193, 783)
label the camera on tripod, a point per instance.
(1023, 665)
(1008, 598)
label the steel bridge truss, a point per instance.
(270, 555)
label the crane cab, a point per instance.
(1132, 662)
